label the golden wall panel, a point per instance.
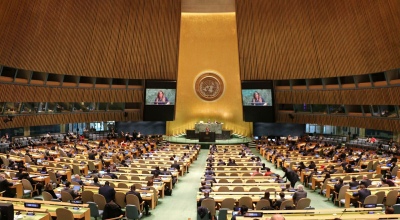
(208, 43)
(373, 96)
(25, 93)
(51, 119)
(385, 124)
(119, 39)
(297, 39)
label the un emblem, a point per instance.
(209, 86)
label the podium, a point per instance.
(206, 136)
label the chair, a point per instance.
(237, 181)
(27, 159)
(120, 199)
(87, 196)
(250, 181)
(254, 189)
(135, 178)
(323, 187)
(66, 196)
(270, 190)
(91, 166)
(228, 203)
(133, 200)
(64, 214)
(94, 210)
(223, 181)
(233, 174)
(123, 185)
(381, 197)
(246, 174)
(247, 201)
(394, 171)
(112, 185)
(76, 170)
(107, 177)
(262, 203)
(339, 197)
(123, 177)
(303, 203)
(47, 196)
(391, 198)
(238, 189)
(370, 200)
(53, 177)
(222, 214)
(286, 203)
(131, 212)
(346, 178)
(138, 185)
(99, 200)
(378, 176)
(28, 188)
(210, 205)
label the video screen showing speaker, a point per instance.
(159, 100)
(258, 101)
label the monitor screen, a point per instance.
(257, 97)
(160, 96)
(76, 188)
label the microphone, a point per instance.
(342, 213)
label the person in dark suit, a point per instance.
(367, 182)
(267, 197)
(49, 188)
(5, 186)
(363, 193)
(96, 182)
(349, 169)
(291, 176)
(70, 191)
(133, 191)
(112, 175)
(354, 183)
(206, 196)
(112, 210)
(92, 155)
(77, 179)
(210, 172)
(107, 191)
(176, 165)
(204, 186)
(221, 163)
(337, 188)
(165, 172)
(156, 171)
(277, 204)
(210, 178)
(299, 194)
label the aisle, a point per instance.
(317, 201)
(182, 204)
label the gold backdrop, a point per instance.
(208, 43)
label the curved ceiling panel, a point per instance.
(296, 39)
(137, 39)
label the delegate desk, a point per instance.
(147, 195)
(349, 193)
(82, 213)
(318, 179)
(329, 214)
(255, 196)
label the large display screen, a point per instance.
(258, 101)
(159, 100)
(160, 96)
(257, 97)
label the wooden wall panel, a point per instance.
(136, 39)
(51, 119)
(373, 96)
(297, 39)
(26, 93)
(385, 124)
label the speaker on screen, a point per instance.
(258, 101)
(159, 100)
